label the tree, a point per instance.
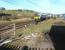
(2, 8)
(19, 9)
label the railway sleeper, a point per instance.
(34, 48)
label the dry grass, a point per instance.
(15, 21)
(39, 28)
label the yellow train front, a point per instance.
(39, 19)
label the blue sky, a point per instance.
(47, 6)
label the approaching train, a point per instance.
(40, 18)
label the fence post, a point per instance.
(2, 17)
(14, 29)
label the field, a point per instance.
(37, 30)
(15, 21)
(32, 35)
(6, 26)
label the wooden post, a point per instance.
(14, 29)
(2, 17)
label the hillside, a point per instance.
(17, 14)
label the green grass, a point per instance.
(39, 28)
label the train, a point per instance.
(41, 18)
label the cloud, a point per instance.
(50, 6)
(9, 1)
(7, 5)
(53, 6)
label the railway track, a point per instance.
(5, 28)
(16, 47)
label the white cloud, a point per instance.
(51, 6)
(57, 6)
(63, 1)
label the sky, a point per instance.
(45, 6)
